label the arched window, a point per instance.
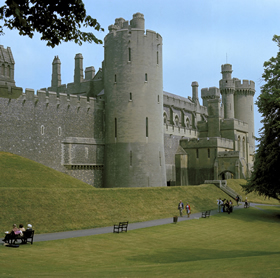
(244, 147)
(176, 120)
(8, 71)
(238, 144)
(188, 123)
(164, 118)
(3, 69)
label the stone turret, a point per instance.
(134, 148)
(6, 67)
(78, 72)
(56, 72)
(195, 92)
(227, 88)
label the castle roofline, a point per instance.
(175, 96)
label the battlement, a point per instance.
(59, 100)
(207, 142)
(245, 85)
(138, 22)
(210, 93)
(234, 124)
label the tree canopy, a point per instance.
(265, 179)
(55, 20)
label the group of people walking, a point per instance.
(224, 205)
(181, 208)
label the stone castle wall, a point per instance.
(64, 133)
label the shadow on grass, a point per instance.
(179, 255)
(254, 214)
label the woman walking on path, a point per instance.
(188, 210)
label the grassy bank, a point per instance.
(242, 244)
(52, 201)
(252, 197)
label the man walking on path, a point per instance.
(180, 208)
(237, 200)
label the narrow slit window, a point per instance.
(208, 153)
(197, 154)
(158, 98)
(115, 78)
(129, 54)
(42, 130)
(130, 96)
(157, 57)
(116, 128)
(159, 159)
(147, 127)
(146, 77)
(130, 158)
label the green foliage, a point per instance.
(245, 243)
(265, 179)
(55, 20)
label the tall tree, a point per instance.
(265, 179)
(55, 20)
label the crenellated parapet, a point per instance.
(210, 93)
(207, 142)
(52, 99)
(245, 87)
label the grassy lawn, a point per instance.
(245, 243)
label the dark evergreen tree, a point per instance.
(265, 179)
(55, 20)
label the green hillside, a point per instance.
(52, 201)
(252, 197)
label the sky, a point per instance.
(198, 37)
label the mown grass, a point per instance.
(52, 201)
(245, 243)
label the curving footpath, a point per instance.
(131, 226)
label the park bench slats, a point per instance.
(121, 227)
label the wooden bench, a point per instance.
(247, 206)
(121, 227)
(205, 214)
(27, 237)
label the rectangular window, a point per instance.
(147, 127)
(116, 130)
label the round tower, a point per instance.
(244, 107)
(227, 91)
(134, 148)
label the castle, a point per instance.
(118, 128)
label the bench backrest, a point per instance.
(28, 234)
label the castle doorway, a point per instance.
(226, 175)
